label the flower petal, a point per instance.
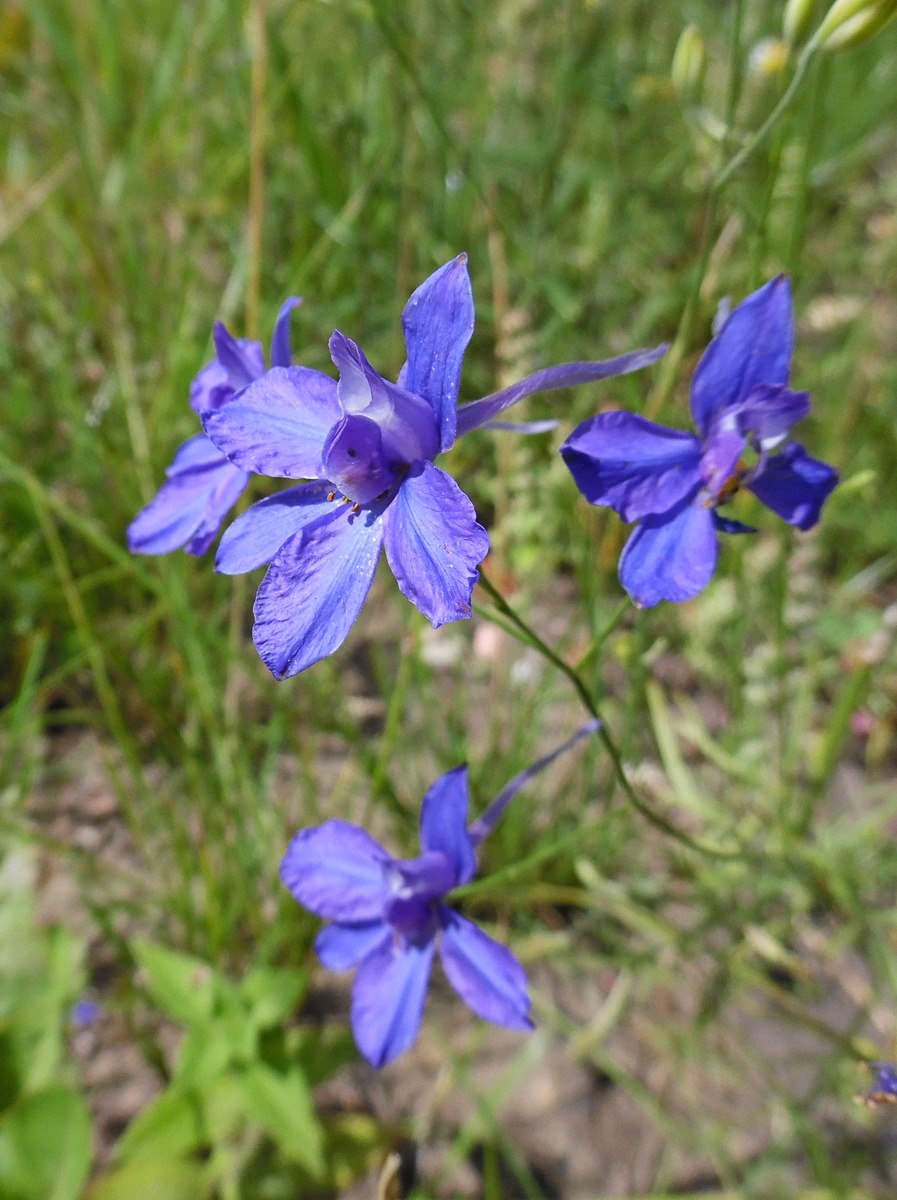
(277, 426)
(670, 556)
(485, 823)
(720, 459)
(407, 422)
(631, 464)
(753, 347)
(256, 536)
(314, 590)
(341, 947)
(729, 525)
(769, 411)
(353, 459)
(210, 388)
(434, 544)
(443, 822)
(471, 416)
(281, 354)
(388, 998)
(438, 322)
(485, 974)
(242, 359)
(201, 488)
(337, 871)
(794, 485)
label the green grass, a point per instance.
(146, 194)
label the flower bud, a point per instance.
(851, 22)
(768, 57)
(796, 20)
(689, 62)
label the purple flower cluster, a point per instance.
(366, 447)
(363, 449)
(388, 915)
(673, 483)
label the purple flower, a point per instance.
(370, 445)
(202, 486)
(884, 1086)
(673, 482)
(388, 915)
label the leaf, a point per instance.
(282, 1105)
(182, 985)
(273, 994)
(205, 1054)
(45, 1145)
(167, 1128)
(153, 1179)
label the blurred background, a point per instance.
(702, 1018)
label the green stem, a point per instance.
(723, 176)
(514, 622)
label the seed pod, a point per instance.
(849, 22)
(689, 63)
(796, 20)
(861, 27)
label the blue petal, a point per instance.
(202, 486)
(728, 525)
(341, 947)
(314, 590)
(242, 359)
(278, 425)
(354, 461)
(521, 426)
(407, 422)
(256, 536)
(210, 388)
(443, 823)
(719, 462)
(438, 323)
(794, 485)
(414, 883)
(434, 544)
(281, 354)
(671, 556)
(631, 464)
(388, 998)
(484, 824)
(754, 347)
(769, 411)
(337, 871)
(485, 974)
(471, 416)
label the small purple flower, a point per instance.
(883, 1089)
(369, 444)
(673, 482)
(388, 915)
(202, 486)
(84, 1012)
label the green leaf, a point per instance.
(168, 1128)
(45, 1146)
(282, 1105)
(205, 1054)
(182, 985)
(153, 1179)
(273, 994)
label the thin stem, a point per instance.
(515, 621)
(723, 176)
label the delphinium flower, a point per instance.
(202, 485)
(388, 915)
(368, 445)
(883, 1089)
(673, 483)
